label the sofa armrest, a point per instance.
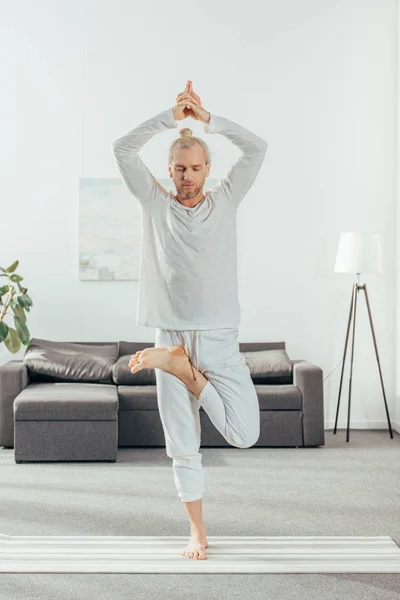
(308, 378)
(13, 379)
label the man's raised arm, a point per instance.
(140, 181)
(244, 171)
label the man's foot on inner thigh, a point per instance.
(171, 358)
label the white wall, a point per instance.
(397, 221)
(316, 79)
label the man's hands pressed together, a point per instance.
(189, 105)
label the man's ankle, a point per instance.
(197, 529)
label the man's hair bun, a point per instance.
(186, 132)
(187, 140)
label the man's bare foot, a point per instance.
(172, 359)
(196, 547)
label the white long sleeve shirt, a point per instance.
(188, 271)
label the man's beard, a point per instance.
(189, 192)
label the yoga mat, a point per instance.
(225, 554)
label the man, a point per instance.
(188, 291)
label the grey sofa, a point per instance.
(70, 411)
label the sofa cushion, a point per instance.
(122, 374)
(66, 402)
(48, 360)
(266, 366)
(269, 366)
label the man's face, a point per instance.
(189, 167)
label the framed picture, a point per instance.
(110, 228)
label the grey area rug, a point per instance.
(232, 554)
(341, 489)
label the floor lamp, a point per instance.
(358, 252)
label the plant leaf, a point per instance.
(12, 341)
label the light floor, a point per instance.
(341, 489)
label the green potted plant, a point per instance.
(15, 297)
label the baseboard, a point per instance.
(342, 424)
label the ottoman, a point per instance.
(66, 422)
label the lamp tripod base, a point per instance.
(352, 315)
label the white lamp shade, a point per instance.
(359, 252)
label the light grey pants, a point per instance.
(229, 398)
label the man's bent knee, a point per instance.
(248, 445)
(245, 443)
